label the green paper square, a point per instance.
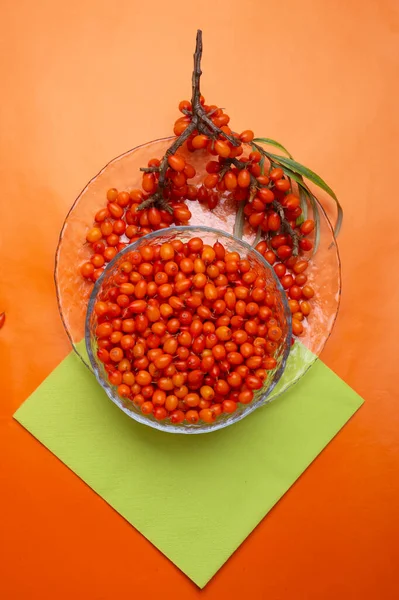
(145, 474)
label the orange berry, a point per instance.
(247, 136)
(176, 162)
(230, 181)
(222, 148)
(200, 141)
(244, 178)
(307, 226)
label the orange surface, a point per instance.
(82, 81)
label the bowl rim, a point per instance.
(159, 425)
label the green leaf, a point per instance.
(257, 237)
(302, 171)
(316, 218)
(304, 203)
(270, 142)
(340, 218)
(305, 172)
(299, 220)
(239, 222)
(262, 165)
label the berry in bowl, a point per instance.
(188, 330)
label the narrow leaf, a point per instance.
(270, 142)
(257, 237)
(316, 218)
(239, 222)
(262, 165)
(340, 218)
(304, 203)
(302, 171)
(299, 220)
(305, 172)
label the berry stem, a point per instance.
(196, 93)
(287, 227)
(276, 205)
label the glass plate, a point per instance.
(73, 292)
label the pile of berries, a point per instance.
(188, 331)
(121, 223)
(292, 276)
(270, 204)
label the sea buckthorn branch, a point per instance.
(254, 187)
(267, 201)
(200, 121)
(295, 171)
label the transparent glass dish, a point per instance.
(123, 172)
(231, 244)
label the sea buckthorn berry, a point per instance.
(246, 396)
(230, 181)
(307, 227)
(229, 406)
(199, 265)
(200, 141)
(297, 327)
(195, 244)
(298, 316)
(284, 252)
(192, 416)
(158, 398)
(176, 162)
(247, 136)
(253, 382)
(147, 408)
(300, 266)
(223, 333)
(305, 307)
(199, 280)
(87, 270)
(287, 281)
(112, 194)
(274, 222)
(276, 174)
(294, 305)
(222, 148)
(160, 413)
(94, 235)
(266, 195)
(185, 105)
(255, 156)
(305, 245)
(274, 333)
(211, 180)
(166, 252)
(244, 179)
(307, 291)
(177, 416)
(301, 279)
(207, 415)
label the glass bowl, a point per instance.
(73, 292)
(231, 244)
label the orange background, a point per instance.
(83, 81)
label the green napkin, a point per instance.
(196, 498)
